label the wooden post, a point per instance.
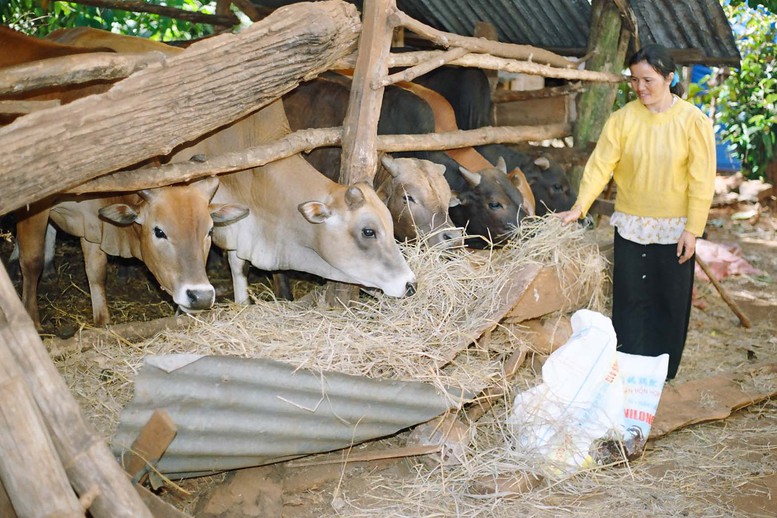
(89, 464)
(30, 470)
(608, 41)
(360, 128)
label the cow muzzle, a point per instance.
(410, 289)
(196, 298)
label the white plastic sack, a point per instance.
(580, 399)
(594, 406)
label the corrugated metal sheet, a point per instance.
(692, 25)
(563, 25)
(234, 412)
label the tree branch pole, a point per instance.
(305, 140)
(170, 12)
(490, 62)
(723, 293)
(75, 69)
(481, 45)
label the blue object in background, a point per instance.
(727, 160)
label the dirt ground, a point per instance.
(721, 468)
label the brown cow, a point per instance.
(169, 229)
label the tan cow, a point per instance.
(169, 229)
(299, 219)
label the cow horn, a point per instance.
(390, 165)
(542, 163)
(473, 179)
(500, 164)
(354, 197)
(147, 194)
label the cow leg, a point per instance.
(96, 263)
(281, 286)
(239, 270)
(31, 235)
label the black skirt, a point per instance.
(651, 300)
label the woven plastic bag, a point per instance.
(579, 401)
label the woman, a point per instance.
(660, 151)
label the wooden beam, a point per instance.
(507, 96)
(170, 12)
(22, 107)
(304, 140)
(208, 85)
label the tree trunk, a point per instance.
(608, 41)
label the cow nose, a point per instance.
(200, 298)
(410, 289)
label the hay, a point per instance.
(425, 337)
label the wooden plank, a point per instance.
(211, 83)
(89, 463)
(151, 443)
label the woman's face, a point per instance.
(651, 87)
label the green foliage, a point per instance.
(771, 5)
(30, 17)
(746, 101)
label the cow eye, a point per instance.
(494, 205)
(557, 187)
(368, 233)
(409, 199)
(159, 233)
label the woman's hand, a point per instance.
(686, 246)
(568, 216)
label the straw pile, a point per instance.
(425, 337)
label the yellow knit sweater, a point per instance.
(663, 164)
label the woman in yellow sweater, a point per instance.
(660, 151)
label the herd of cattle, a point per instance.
(287, 215)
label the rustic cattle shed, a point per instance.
(417, 9)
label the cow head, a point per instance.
(551, 187)
(355, 235)
(418, 198)
(174, 226)
(490, 207)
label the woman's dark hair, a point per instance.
(658, 57)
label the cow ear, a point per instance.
(354, 197)
(224, 214)
(543, 163)
(314, 211)
(390, 164)
(473, 179)
(119, 213)
(500, 164)
(207, 186)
